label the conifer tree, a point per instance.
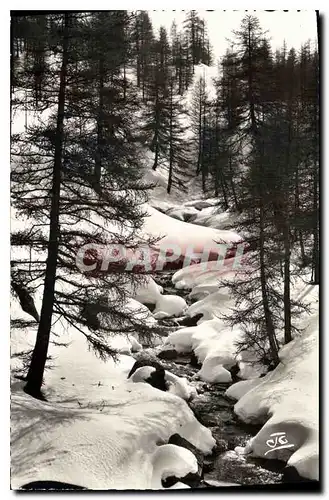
(155, 113)
(175, 141)
(143, 39)
(77, 172)
(198, 114)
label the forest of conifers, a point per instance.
(106, 91)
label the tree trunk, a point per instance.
(138, 62)
(236, 203)
(286, 292)
(124, 82)
(318, 29)
(286, 236)
(216, 184)
(155, 141)
(199, 164)
(156, 158)
(267, 313)
(203, 167)
(250, 87)
(39, 356)
(315, 257)
(100, 124)
(222, 183)
(180, 81)
(171, 155)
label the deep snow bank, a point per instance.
(286, 400)
(98, 430)
(105, 445)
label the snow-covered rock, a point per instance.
(212, 371)
(171, 460)
(219, 484)
(176, 213)
(239, 389)
(169, 305)
(142, 373)
(148, 292)
(202, 204)
(163, 206)
(184, 213)
(212, 306)
(181, 339)
(214, 345)
(167, 381)
(208, 274)
(180, 386)
(210, 217)
(199, 292)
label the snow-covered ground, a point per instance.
(286, 400)
(98, 429)
(181, 236)
(101, 430)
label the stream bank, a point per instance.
(215, 410)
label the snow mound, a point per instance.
(180, 386)
(239, 389)
(171, 460)
(286, 400)
(148, 292)
(100, 446)
(213, 372)
(139, 311)
(210, 217)
(212, 306)
(214, 346)
(202, 204)
(170, 305)
(97, 429)
(181, 339)
(206, 274)
(183, 240)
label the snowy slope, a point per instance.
(105, 445)
(174, 231)
(98, 430)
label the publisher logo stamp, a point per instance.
(278, 441)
